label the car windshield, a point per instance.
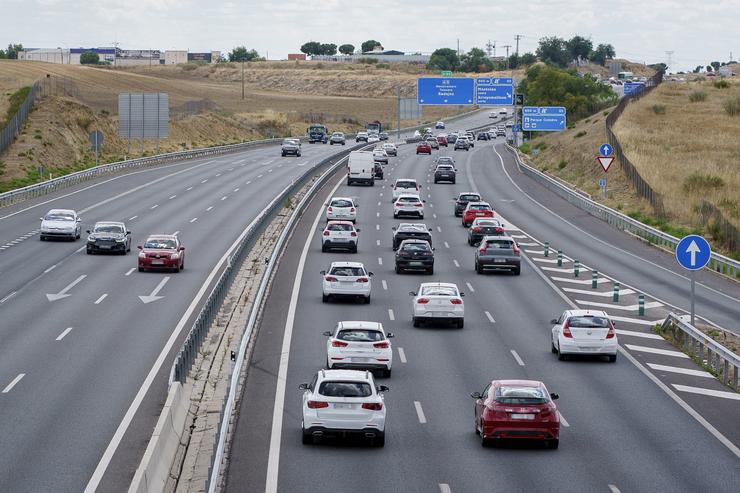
(337, 134)
(520, 395)
(347, 271)
(345, 389)
(406, 184)
(340, 227)
(469, 198)
(499, 244)
(439, 291)
(108, 228)
(589, 322)
(445, 159)
(416, 247)
(59, 216)
(341, 203)
(160, 243)
(360, 335)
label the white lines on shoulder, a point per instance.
(172, 197)
(188, 189)
(434, 215)
(664, 352)
(6, 298)
(377, 227)
(563, 420)
(454, 261)
(390, 314)
(683, 371)
(402, 355)
(100, 300)
(236, 189)
(447, 245)
(614, 489)
(377, 214)
(420, 412)
(132, 218)
(209, 208)
(128, 273)
(381, 194)
(193, 219)
(269, 170)
(439, 230)
(248, 182)
(379, 203)
(176, 233)
(517, 358)
(712, 393)
(50, 269)
(385, 284)
(444, 488)
(80, 249)
(13, 383)
(204, 181)
(490, 317)
(64, 333)
(224, 197)
(154, 206)
(218, 174)
(470, 287)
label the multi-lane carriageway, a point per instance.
(652, 421)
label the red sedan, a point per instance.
(475, 210)
(517, 409)
(423, 148)
(442, 140)
(162, 252)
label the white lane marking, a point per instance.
(218, 174)
(204, 180)
(520, 236)
(664, 352)
(549, 260)
(248, 182)
(260, 176)
(447, 245)
(381, 194)
(377, 227)
(711, 393)
(390, 314)
(603, 294)
(470, 287)
(563, 420)
(377, 242)
(193, 219)
(385, 285)
(269, 170)
(132, 218)
(63, 293)
(632, 333)
(50, 269)
(377, 214)
(444, 488)
(637, 321)
(176, 233)
(420, 412)
(209, 208)
(64, 333)
(577, 281)
(380, 261)
(230, 169)
(80, 249)
(521, 243)
(683, 371)
(379, 203)
(100, 300)
(612, 306)
(457, 264)
(402, 355)
(236, 189)
(188, 189)
(613, 489)
(224, 197)
(128, 273)
(516, 356)
(273, 460)
(490, 317)
(434, 215)
(13, 383)
(439, 230)
(172, 197)
(154, 206)
(8, 297)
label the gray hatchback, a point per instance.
(498, 253)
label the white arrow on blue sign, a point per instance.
(606, 150)
(693, 252)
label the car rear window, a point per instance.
(340, 227)
(59, 216)
(480, 207)
(408, 199)
(487, 223)
(406, 184)
(416, 247)
(345, 389)
(589, 322)
(444, 167)
(348, 271)
(499, 244)
(520, 395)
(469, 198)
(360, 335)
(341, 203)
(439, 291)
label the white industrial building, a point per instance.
(118, 57)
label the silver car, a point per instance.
(291, 146)
(337, 138)
(60, 223)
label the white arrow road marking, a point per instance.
(652, 304)
(692, 250)
(153, 296)
(63, 293)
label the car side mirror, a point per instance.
(327, 333)
(88, 231)
(393, 228)
(390, 335)
(554, 321)
(434, 249)
(554, 396)
(128, 232)
(358, 230)
(411, 293)
(303, 386)
(462, 295)
(140, 247)
(503, 225)
(383, 388)
(41, 219)
(424, 201)
(79, 219)
(430, 229)
(323, 272)
(370, 274)
(475, 395)
(182, 249)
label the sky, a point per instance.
(697, 32)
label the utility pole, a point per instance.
(670, 56)
(458, 46)
(507, 55)
(242, 78)
(517, 38)
(115, 52)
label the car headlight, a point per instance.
(142, 255)
(175, 256)
(120, 240)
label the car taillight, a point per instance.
(476, 229)
(422, 301)
(352, 209)
(516, 250)
(402, 253)
(382, 345)
(330, 209)
(566, 330)
(339, 344)
(363, 279)
(326, 233)
(611, 334)
(330, 279)
(353, 233)
(499, 230)
(456, 301)
(317, 404)
(482, 249)
(419, 204)
(372, 406)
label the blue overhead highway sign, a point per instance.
(491, 91)
(445, 90)
(606, 150)
(543, 118)
(693, 252)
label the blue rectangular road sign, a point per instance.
(445, 90)
(490, 91)
(543, 118)
(633, 87)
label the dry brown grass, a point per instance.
(689, 154)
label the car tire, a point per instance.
(141, 269)
(298, 155)
(306, 438)
(282, 154)
(343, 143)
(612, 358)
(354, 249)
(395, 216)
(331, 143)
(478, 269)
(349, 182)
(553, 349)
(372, 182)
(182, 265)
(552, 444)
(517, 271)
(324, 298)
(485, 442)
(323, 248)
(453, 182)
(415, 322)
(88, 251)
(387, 373)
(367, 300)
(435, 181)
(461, 323)
(561, 356)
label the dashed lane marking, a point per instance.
(224, 197)
(380, 261)
(172, 197)
(470, 287)
(154, 206)
(390, 314)
(50, 269)
(100, 300)
(613, 489)
(444, 488)
(209, 209)
(385, 285)
(457, 264)
(490, 317)
(132, 218)
(683, 371)
(447, 245)
(64, 333)
(516, 356)
(193, 219)
(420, 412)
(402, 355)
(563, 421)
(663, 352)
(439, 230)
(128, 273)
(13, 383)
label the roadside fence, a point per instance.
(13, 129)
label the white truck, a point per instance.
(360, 166)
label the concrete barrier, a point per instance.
(154, 470)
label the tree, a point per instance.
(658, 66)
(328, 49)
(13, 50)
(369, 45)
(2, 55)
(347, 49)
(715, 66)
(444, 59)
(89, 58)
(552, 50)
(527, 59)
(241, 54)
(514, 61)
(697, 69)
(602, 53)
(311, 48)
(709, 68)
(476, 60)
(578, 47)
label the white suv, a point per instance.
(342, 403)
(359, 346)
(339, 234)
(405, 186)
(438, 301)
(408, 205)
(584, 332)
(341, 208)
(346, 279)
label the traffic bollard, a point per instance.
(560, 258)
(615, 295)
(641, 305)
(576, 267)
(594, 278)
(547, 249)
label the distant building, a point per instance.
(175, 57)
(128, 58)
(296, 56)
(726, 71)
(118, 57)
(69, 56)
(379, 54)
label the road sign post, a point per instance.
(693, 253)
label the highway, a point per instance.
(627, 426)
(83, 374)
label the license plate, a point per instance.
(416, 263)
(522, 416)
(157, 262)
(478, 213)
(105, 247)
(499, 260)
(359, 360)
(346, 283)
(338, 405)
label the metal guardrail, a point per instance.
(694, 342)
(718, 263)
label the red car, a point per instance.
(442, 140)
(517, 409)
(162, 252)
(475, 210)
(423, 148)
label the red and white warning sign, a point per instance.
(605, 161)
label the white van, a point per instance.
(360, 168)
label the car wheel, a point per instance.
(343, 143)
(283, 154)
(416, 322)
(141, 269)
(395, 216)
(478, 269)
(323, 248)
(182, 265)
(484, 442)
(331, 143)
(88, 251)
(553, 349)
(461, 323)
(398, 270)
(453, 182)
(387, 373)
(354, 249)
(435, 181)
(372, 182)
(552, 444)
(612, 358)
(324, 298)
(298, 155)
(306, 438)
(561, 356)
(517, 271)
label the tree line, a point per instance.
(316, 48)
(12, 51)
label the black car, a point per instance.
(378, 170)
(461, 201)
(415, 255)
(414, 231)
(484, 226)
(383, 135)
(484, 136)
(498, 253)
(451, 138)
(109, 237)
(445, 172)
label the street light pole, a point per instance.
(242, 78)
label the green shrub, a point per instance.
(580, 134)
(606, 113)
(14, 103)
(368, 61)
(541, 145)
(384, 65)
(698, 182)
(721, 84)
(697, 96)
(732, 106)
(562, 164)
(189, 66)
(659, 109)
(526, 148)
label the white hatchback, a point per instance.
(405, 186)
(341, 208)
(408, 205)
(438, 302)
(346, 279)
(359, 346)
(60, 223)
(339, 234)
(584, 332)
(343, 403)
(390, 149)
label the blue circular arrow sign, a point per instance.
(693, 252)
(606, 150)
